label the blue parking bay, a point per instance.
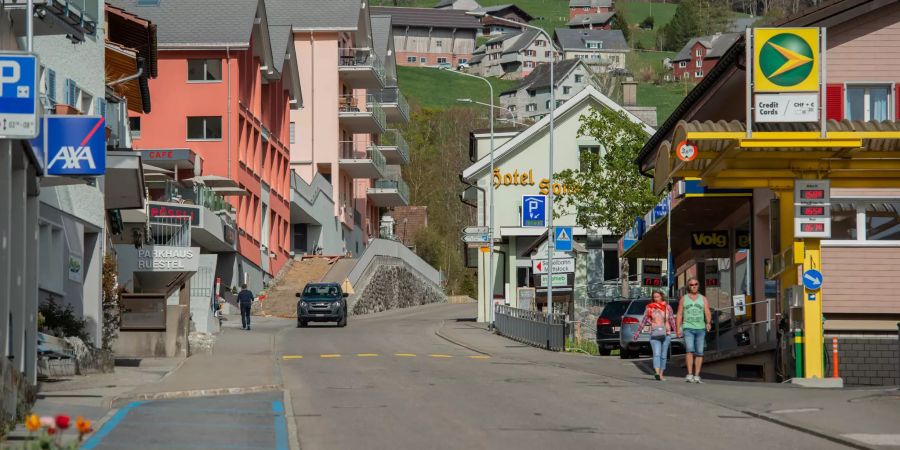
(233, 422)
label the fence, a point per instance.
(534, 328)
(174, 231)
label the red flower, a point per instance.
(62, 421)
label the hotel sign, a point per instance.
(526, 178)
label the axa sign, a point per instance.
(75, 145)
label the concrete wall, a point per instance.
(868, 359)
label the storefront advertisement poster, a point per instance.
(74, 268)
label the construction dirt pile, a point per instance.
(280, 299)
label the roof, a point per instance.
(590, 3)
(198, 22)
(523, 39)
(381, 33)
(315, 14)
(542, 125)
(134, 32)
(497, 9)
(716, 43)
(592, 19)
(427, 17)
(498, 130)
(570, 39)
(279, 35)
(540, 76)
(740, 24)
(831, 13)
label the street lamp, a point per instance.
(511, 115)
(550, 237)
(490, 277)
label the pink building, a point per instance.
(226, 88)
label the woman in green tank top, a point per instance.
(693, 320)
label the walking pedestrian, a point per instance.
(661, 319)
(693, 321)
(245, 300)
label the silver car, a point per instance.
(630, 321)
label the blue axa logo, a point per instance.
(72, 157)
(75, 145)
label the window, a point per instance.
(698, 74)
(531, 107)
(442, 60)
(698, 63)
(293, 132)
(869, 103)
(423, 60)
(567, 90)
(410, 59)
(529, 64)
(463, 60)
(208, 128)
(547, 54)
(682, 64)
(578, 78)
(547, 104)
(540, 43)
(865, 220)
(438, 43)
(698, 52)
(511, 108)
(134, 124)
(200, 70)
(589, 157)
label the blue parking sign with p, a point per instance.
(534, 211)
(18, 96)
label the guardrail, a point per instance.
(535, 328)
(731, 330)
(173, 231)
(393, 138)
(391, 95)
(399, 185)
(361, 57)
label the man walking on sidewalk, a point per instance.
(245, 300)
(693, 321)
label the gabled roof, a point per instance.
(280, 35)
(590, 3)
(575, 39)
(589, 93)
(311, 15)
(381, 33)
(592, 19)
(717, 44)
(500, 9)
(198, 23)
(428, 17)
(523, 40)
(540, 76)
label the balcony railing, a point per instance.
(357, 153)
(351, 105)
(198, 195)
(399, 185)
(361, 57)
(347, 214)
(392, 96)
(173, 231)
(393, 138)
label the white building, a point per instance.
(530, 99)
(521, 169)
(515, 55)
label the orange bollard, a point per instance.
(834, 358)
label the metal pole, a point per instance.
(670, 261)
(491, 234)
(29, 25)
(550, 235)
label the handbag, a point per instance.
(660, 330)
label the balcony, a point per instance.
(71, 18)
(361, 119)
(346, 215)
(361, 161)
(361, 68)
(388, 193)
(394, 147)
(394, 104)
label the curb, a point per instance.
(119, 401)
(806, 429)
(293, 434)
(457, 342)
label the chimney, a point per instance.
(629, 92)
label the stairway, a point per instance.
(280, 299)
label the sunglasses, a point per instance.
(693, 285)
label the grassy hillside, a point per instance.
(636, 11)
(434, 88)
(665, 97)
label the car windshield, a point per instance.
(614, 309)
(321, 291)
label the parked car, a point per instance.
(462, 66)
(444, 66)
(608, 325)
(630, 321)
(322, 302)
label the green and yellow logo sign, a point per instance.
(786, 59)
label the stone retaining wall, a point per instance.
(390, 284)
(867, 360)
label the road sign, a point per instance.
(18, 96)
(812, 279)
(566, 265)
(563, 239)
(790, 107)
(480, 238)
(686, 151)
(476, 230)
(786, 59)
(75, 145)
(812, 208)
(534, 211)
(559, 280)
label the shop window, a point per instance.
(204, 70)
(207, 128)
(869, 103)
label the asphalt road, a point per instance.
(389, 382)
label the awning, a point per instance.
(227, 191)
(216, 181)
(150, 169)
(124, 181)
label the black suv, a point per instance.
(322, 302)
(608, 325)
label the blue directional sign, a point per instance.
(75, 145)
(534, 211)
(563, 238)
(812, 279)
(18, 96)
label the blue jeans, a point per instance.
(660, 347)
(694, 341)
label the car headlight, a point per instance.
(304, 304)
(337, 304)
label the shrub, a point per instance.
(61, 321)
(648, 23)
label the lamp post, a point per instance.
(551, 246)
(490, 277)
(511, 115)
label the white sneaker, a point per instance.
(689, 378)
(697, 379)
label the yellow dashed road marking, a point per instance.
(405, 354)
(366, 355)
(479, 357)
(331, 355)
(292, 357)
(440, 356)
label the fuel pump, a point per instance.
(792, 304)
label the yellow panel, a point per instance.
(786, 59)
(798, 252)
(813, 363)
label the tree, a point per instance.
(609, 192)
(685, 24)
(619, 23)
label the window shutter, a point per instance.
(897, 102)
(51, 85)
(100, 107)
(834, 101)
(71, 93)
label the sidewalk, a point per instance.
(857, 417)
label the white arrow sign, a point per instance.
(476, 238)
(565, 265)
(476, 230)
